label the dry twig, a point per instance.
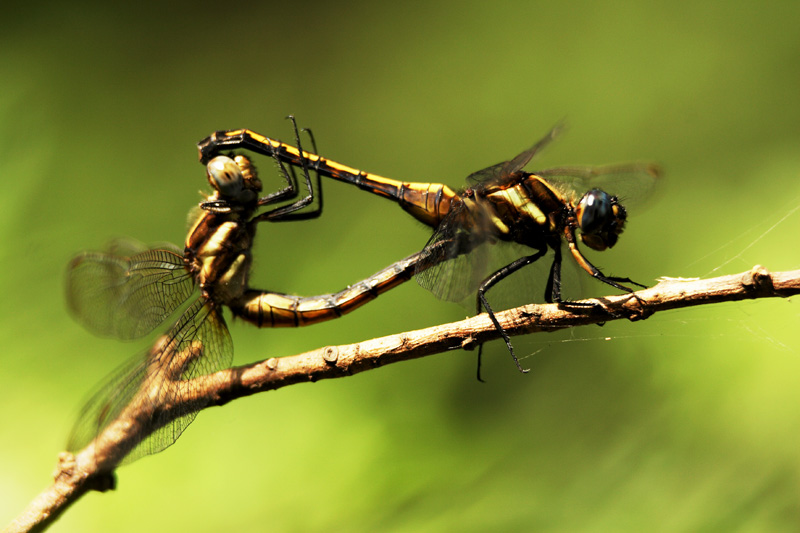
(92, 468)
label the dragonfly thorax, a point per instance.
(217, 248)
(218, 254)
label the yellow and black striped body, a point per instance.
(522, 208)
(128, 290)
(427, 202)
(506, 204)
(272, 309)
(218, 254)
(540, 211)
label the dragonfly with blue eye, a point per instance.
(129, 290)
(503, 204)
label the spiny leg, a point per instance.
(307, 167)
(288, 212)
(626, 280)
(595, 273)
(552, 292)
(487, 284)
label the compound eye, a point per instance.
(226, 177)
(594, 211)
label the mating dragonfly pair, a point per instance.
(129, 290)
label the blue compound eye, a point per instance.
(594, 211)
(226, 177)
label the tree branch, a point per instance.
(76, 474)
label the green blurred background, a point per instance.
(688, 421)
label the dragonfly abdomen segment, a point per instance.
(270, 310)
(427, 202)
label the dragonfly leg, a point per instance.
(289, 212)
(615, 282)
(490, 282)
(553, 289)
(626, 280)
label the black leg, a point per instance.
(552, 291)
(626, 280)
(490, 282)
(315, 193)
(287, 193)
(288, 212)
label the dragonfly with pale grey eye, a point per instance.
(129, 290)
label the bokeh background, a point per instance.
(689, 421)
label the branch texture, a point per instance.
(92, 468)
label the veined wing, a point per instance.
(506, 168)
(127, 291)
(144, 402)
(457, 257)
(632, 183)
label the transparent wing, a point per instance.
(486, 175)
(456, 259)
(506, 168)
(127, 291)
(144, 401)
(632, 183)
(445, 267)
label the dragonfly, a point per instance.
(128, 290)
(540, 211)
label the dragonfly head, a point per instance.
(234, 180)
(601, 218)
